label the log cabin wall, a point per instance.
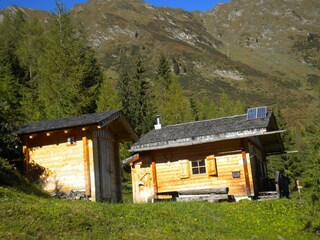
(62, 161)
(174, 169)
(142, 181)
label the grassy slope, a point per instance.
(26, 216)
(28, 213)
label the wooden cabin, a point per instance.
(207, 160)
(78, 154)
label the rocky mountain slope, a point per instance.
(266, 52)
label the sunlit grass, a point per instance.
(30, 217)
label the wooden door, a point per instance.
(105, 169)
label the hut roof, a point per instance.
(100, 119)
(211, 130)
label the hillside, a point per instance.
(265, 52)
(26, 216)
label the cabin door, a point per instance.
(105, 169)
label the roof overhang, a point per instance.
(272, 143)
(269, 139)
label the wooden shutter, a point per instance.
(184, 171)
(211, 165)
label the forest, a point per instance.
(48, 70)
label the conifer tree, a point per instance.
(225, 105)
(194, 105)
(9, 112)
(311, 176)
(141, 100)
(290, 164)
(177, 106)
(208, 109)
(68, 74)
(164, 72)
(108, 98)
(125, 93)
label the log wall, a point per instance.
(174, 169)
(63, 162)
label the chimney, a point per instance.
(158, 126)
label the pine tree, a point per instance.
(125, 94)
(9, 112)
(108, 97)
(164, 72)
(177, 106)
(311, 176)
(225, 105)
(136, 97)
(208, 109)
(142, 105)
(289, 164)
(68, 74)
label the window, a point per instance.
(198, 166)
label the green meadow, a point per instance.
(28, 216)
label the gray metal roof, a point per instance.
(63, 123)
(205, 131)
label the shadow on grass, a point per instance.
(10, 177)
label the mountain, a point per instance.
(263, 51)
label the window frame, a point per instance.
(200, 165)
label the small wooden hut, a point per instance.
(78, 154)
(206, 160)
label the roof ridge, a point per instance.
(205, 120)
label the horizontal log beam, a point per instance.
(223, 190)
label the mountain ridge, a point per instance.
(264, 52)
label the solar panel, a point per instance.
(258, 112)
(261, 112)
(252, 113)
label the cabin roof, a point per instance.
(211, 130)
(100, 119)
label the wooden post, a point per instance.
(154, 178)
(26, 160)
(245, 168)
(118, 170)
(86, 162)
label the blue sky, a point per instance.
(49, 5)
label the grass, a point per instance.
(28, 213)
(25, 216)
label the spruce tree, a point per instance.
(311, 176)
(208, 109)
(142, 109)
(125, 93)
(68, 75)
(108, 97)
(9, 110)
(177, 107)
(164, 72)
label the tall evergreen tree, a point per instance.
(208, 109)
(108, 98)
(9, 112)
(290, 164)
(142, 105)
(177, 106)
(125, 93)
(11, 29)
(311, 176)
(164, 72)
(195, 108)
(68, 74)
(136, 97)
